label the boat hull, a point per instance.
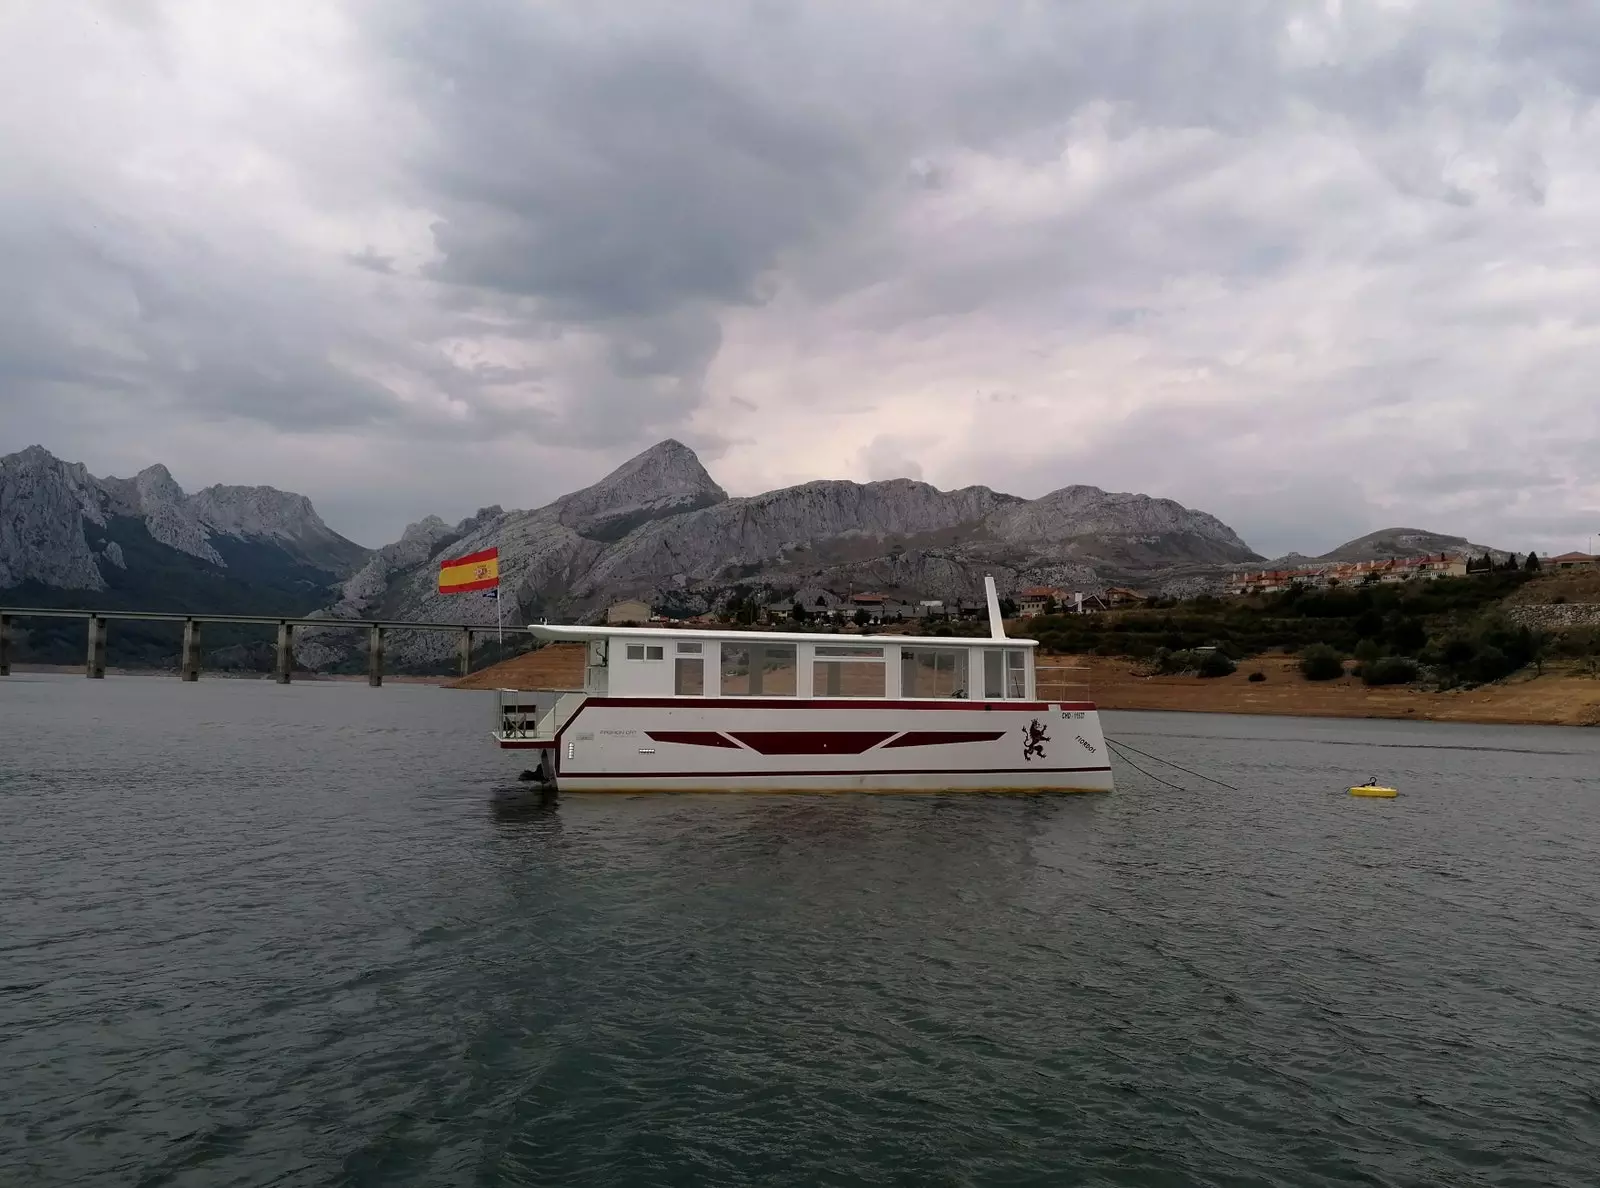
(788, 745)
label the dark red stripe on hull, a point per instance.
(811, 742)
(693, 738)
(939, 738)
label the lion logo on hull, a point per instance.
(1033, 740)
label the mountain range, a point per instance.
(658, 528)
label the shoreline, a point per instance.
(1558, 698)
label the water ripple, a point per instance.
(256, 936)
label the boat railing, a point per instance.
(1061, 682)
(536, 715)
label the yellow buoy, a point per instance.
(1374, 790)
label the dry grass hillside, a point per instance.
(1571, 585)
(1559, 698)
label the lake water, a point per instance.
(317, 935)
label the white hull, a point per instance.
(791, 745)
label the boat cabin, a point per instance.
(652, 663)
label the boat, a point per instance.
(1377, 791)
(663, 709)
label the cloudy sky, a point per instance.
(1315, 266)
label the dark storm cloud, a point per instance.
(96, 303)
(615, 177)
(449, 227)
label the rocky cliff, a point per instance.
(69, 539)
(58, 523)
(659, 528)
(46, 505)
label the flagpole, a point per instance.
(501, 622)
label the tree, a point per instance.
(862, 616)
(1008, 609)
(1050, 606)
(1390, 670)
(799, 614)
(1319, 662)
(1532, 563)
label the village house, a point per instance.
(1572, 561)
(1348, 573)
(1122, 596)
(1039, 600)
(628, 611)
(778, 612)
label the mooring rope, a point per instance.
(1157, 758)
(1142, 771)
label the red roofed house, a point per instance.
(1036, 600)
(1122, 596)
(1572, 561)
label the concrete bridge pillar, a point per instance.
(95, 666)
(375, 657)
(5, 645)
(189, 665)
(285, 667)
(466, 651)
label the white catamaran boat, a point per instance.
(670, 710)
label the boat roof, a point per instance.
(556, 631)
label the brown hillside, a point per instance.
(1564, 585)
(554, 666)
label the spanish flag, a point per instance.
(475, 571)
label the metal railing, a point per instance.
(1056, 686)
(540, 719)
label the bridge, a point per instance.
(189, 663)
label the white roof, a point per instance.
(556, 631)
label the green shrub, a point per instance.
(1257, 677)
(1321, 663)
(1389, 670)
(1170, 663)
(1215, 664)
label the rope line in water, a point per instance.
(1170, 763)
(1140, 770)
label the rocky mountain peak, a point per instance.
(256, 511)
(664, 480)
(1081, 510)
(44, 504)
(158, 498)
(155, 485)
(429, 528)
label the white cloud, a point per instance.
(1315, 267)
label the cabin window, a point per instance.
(689, 676)
(688, 649)
(933, 672)
(839, 670)
(646, 652)
(758, 670)
(1005, 674)
(1016, 674)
